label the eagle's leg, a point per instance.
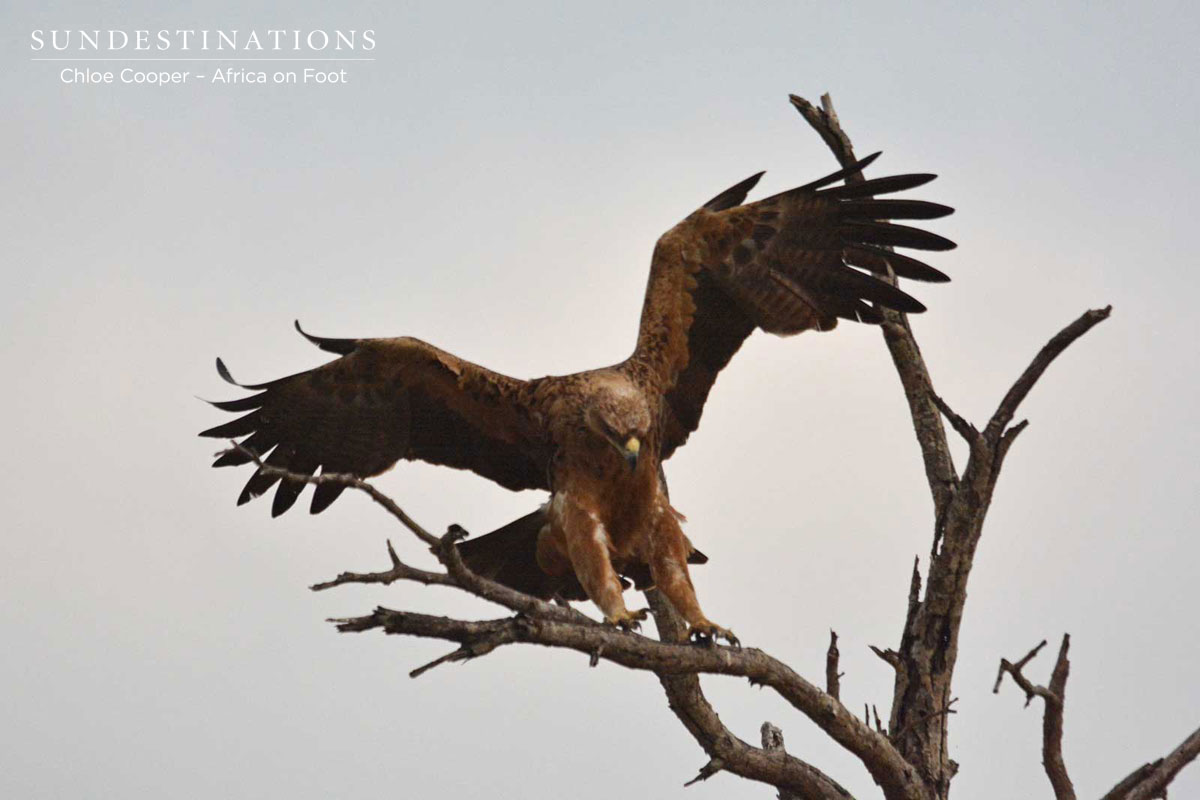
(576, 539)
(667, 556)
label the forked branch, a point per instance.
(1054, 696)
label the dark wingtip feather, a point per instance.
(223, 371)
(241, 404)
(734, 195)
(231, 430)
(258, 484)
(339, 346)
(877, 260)
(232, 458)
(873, 209)
(259, 444)
(913, 306)
(324, 495)
(877, 186)
(844, 172)
(885, 233)
(285, 496)
(881, 293)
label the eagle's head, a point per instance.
(617, 412)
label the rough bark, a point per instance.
(928, 652)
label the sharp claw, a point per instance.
(708, 633)
(628, 620)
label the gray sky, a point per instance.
(494, 183)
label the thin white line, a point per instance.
(201, 59)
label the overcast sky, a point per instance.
(493, 183)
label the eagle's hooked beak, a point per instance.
(630, 451)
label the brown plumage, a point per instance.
(596, 440)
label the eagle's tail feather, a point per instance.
(508, 555)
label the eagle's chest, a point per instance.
(621, 511)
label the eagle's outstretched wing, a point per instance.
(785, 264)
(384, 400)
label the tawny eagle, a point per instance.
(596, 440)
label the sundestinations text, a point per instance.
(187, 39)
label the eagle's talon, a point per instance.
(628, 620)
(707, 634)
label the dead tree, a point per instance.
(909, 758)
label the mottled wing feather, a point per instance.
(382, 401)
(789, 263)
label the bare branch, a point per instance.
(713, 766)
(772, 738)
(399, 572)
(1061, 341)
(792, 777)
(890, 656)
(833, 683)
(964, 429)
(677, 665)
(772, 742)
(1151, 780)
(906, 355)
(925, 659)
(1054, 697)
(1015, 671)
(1007, 439)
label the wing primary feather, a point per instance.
(259, 483)
(289, 490)
(875, 186)
(842, 173)
(231, 430)
(858, 311)
(893, 209)
(324, 495)
(850, 286)
(896, 236)
(734, 195)
(876, 259)
(339, 346)
(241, 404)
(285, 496)
(262, 480)
(259, 444)
(223, 371)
